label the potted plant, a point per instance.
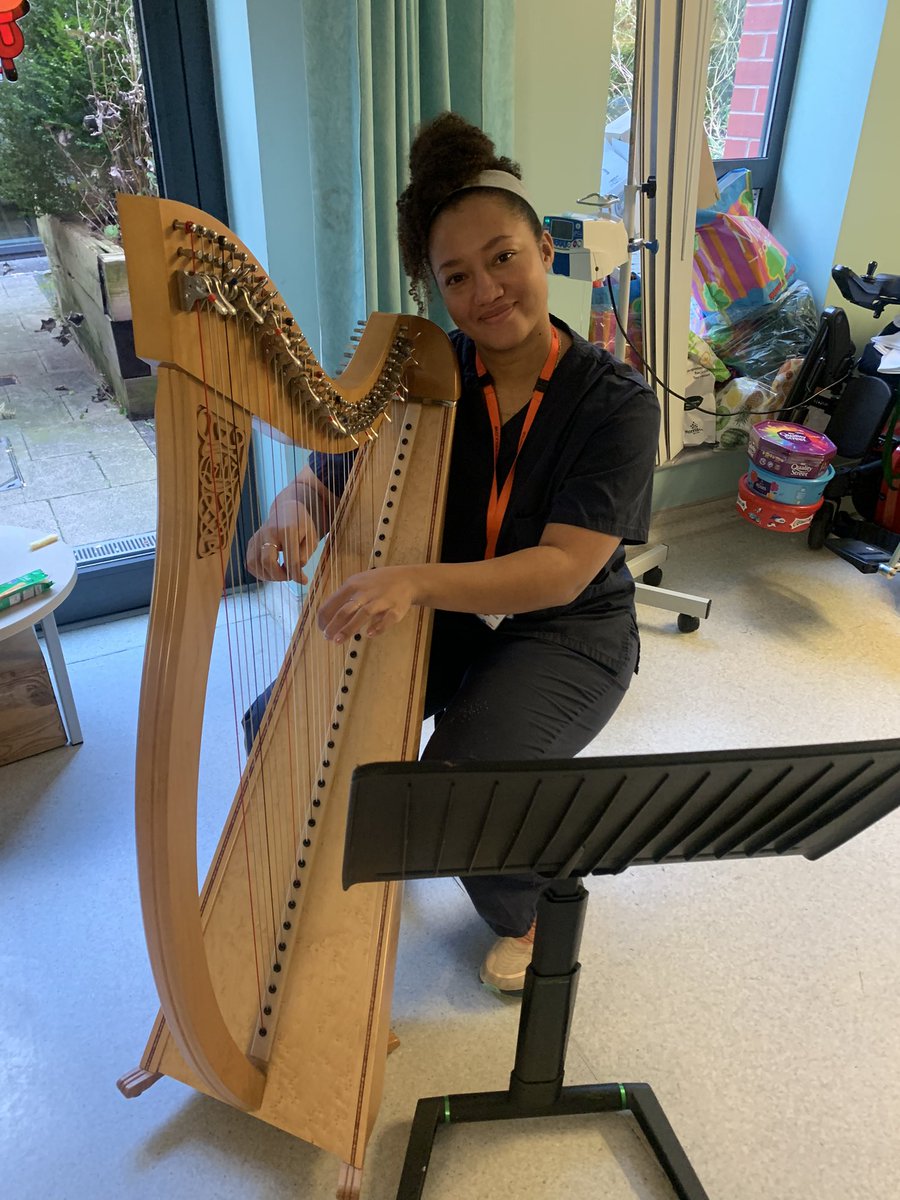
(73, 133)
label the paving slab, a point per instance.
(78, 437)
(11, 498)
(9, 429)
(69, 475)
(89, 472)
(32, 516)
(55, 357)
(113, 513)
(125, 466)
(37, 407)
(15, 340)
(23, 364)
(85, 406)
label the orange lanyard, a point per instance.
(499, 500)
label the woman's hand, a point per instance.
(368, 603)
(289, 533)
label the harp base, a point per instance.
(536, 1083)
(137, 1081)
(349, 1182)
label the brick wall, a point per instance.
(756, 56)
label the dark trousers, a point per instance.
(498, 696)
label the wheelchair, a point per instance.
(863, 410)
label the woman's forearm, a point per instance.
(541, 576)
(516, 583)
(544, 576)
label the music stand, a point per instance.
(566, 819)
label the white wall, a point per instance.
(870, 228)
(562, 79)
(829, 200)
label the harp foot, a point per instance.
(393, 1042)
(137, 1081)
(349, 1182)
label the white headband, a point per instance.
(503, 180)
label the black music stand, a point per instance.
(565, 819)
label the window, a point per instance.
(753, 54)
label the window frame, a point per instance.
(764, 168)
(176, 54)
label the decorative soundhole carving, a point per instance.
(221, 455)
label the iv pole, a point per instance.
(645, 561)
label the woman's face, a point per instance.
(491, 272)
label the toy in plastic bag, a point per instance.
(739, 404)
(700, 352)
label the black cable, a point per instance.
(695, 405)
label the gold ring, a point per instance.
(273, 545)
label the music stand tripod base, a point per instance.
(536, 1082)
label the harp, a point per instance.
(275, 985)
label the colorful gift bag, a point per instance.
(738, 264)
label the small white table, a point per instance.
(59, 562)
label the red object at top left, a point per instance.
(12, 43)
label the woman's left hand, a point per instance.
(368, 603)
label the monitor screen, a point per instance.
(564, 230)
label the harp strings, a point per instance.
(268, 630)
(211, 346)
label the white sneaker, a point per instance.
(505, 963)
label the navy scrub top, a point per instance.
(587, 461)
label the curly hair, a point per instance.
(447, 153)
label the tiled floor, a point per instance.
(761, 999)
(89, 472)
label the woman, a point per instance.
(535, 639)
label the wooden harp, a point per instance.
(275, 985)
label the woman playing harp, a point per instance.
(535, 639)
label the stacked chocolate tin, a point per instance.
(788, 471)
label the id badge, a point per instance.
(492, 620)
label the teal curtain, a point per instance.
(375, 69)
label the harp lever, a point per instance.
(194, 286)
